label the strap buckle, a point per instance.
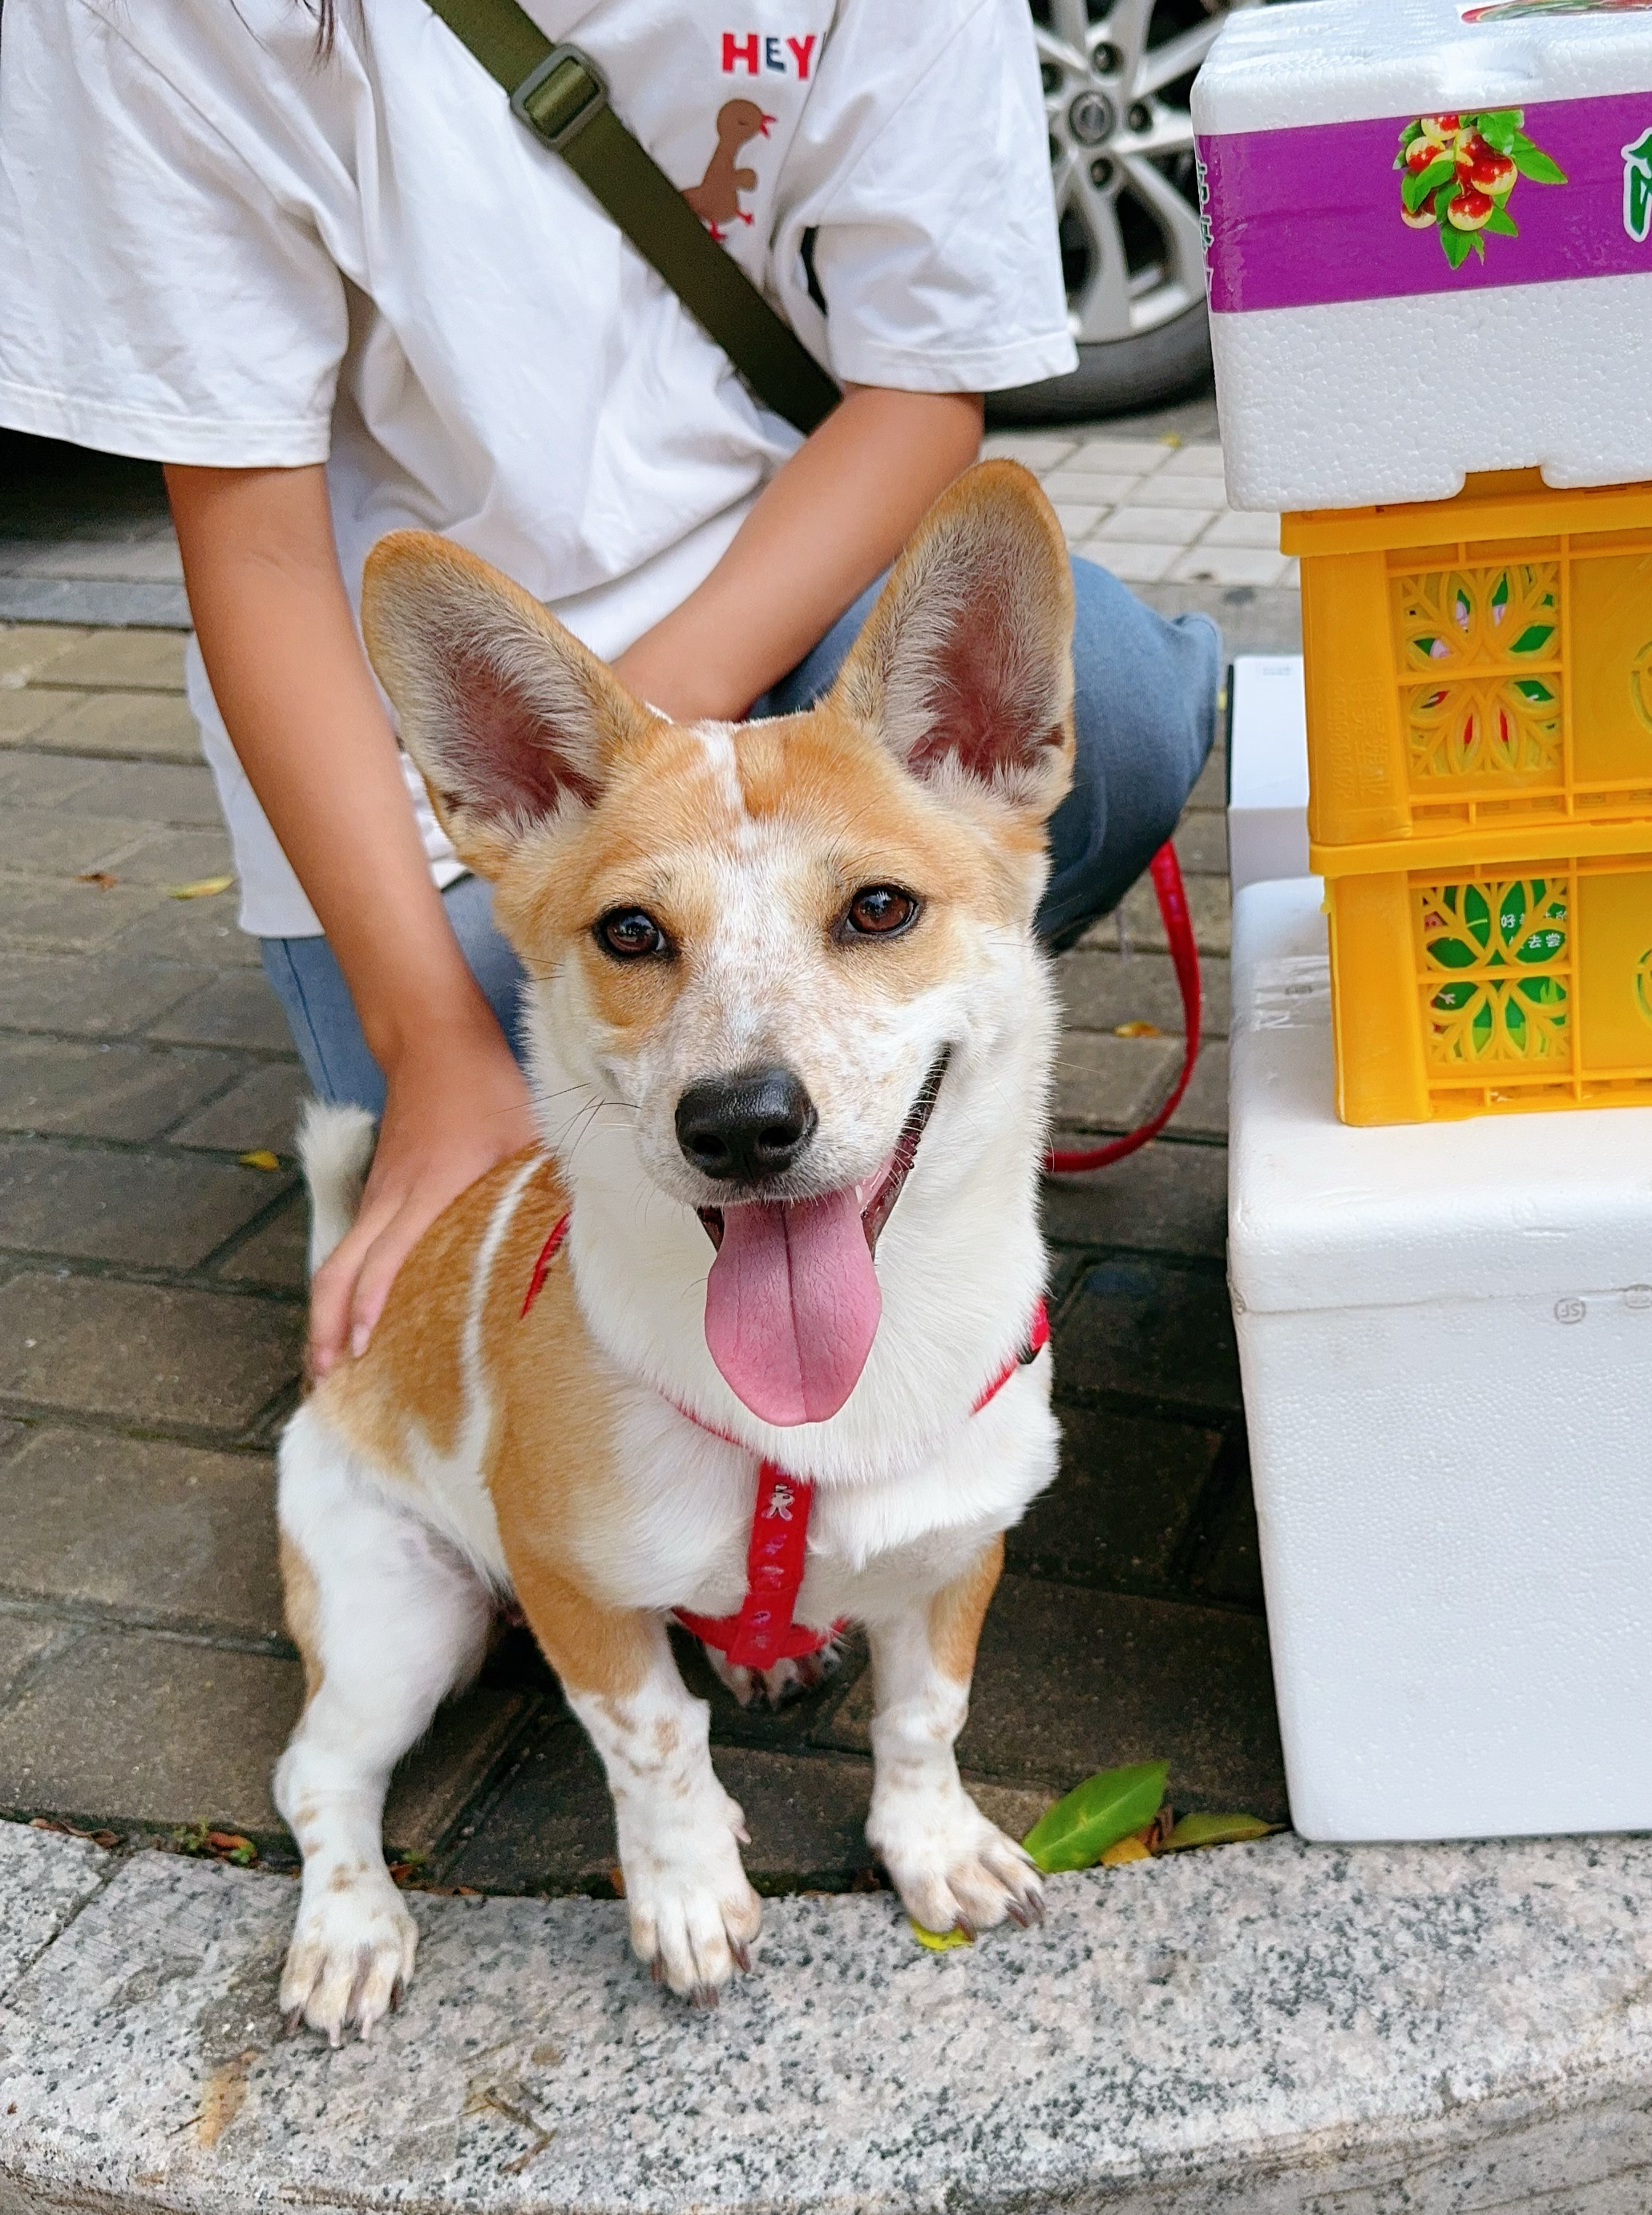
(560, 95)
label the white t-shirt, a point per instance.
(219, 248)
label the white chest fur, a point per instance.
(676, 1532)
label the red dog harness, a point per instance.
(764, 1631)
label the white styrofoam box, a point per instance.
(1267, 770)
(1353, 364)
(1444, 1334)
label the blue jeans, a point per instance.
(1145, 709)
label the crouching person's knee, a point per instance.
(1145, 692)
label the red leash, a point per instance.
(1166, 873)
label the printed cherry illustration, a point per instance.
(1493, 174)
(1468, 209)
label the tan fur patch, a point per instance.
(958, 1611)
(550, 1463)
(300, 1606)
(412, 1371)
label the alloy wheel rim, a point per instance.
(1121, 144)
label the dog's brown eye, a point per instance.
(630, 932)
(878, 912)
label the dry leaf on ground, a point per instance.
(208, 1845)
(1216, 1831)
(201, 888)
(1133, 1849)
(938, 1941)
(100, 878)
(259, 1158)
(74, 1830)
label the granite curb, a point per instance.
(1281, 2028)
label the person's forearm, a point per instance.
(293, 686)
(828, 522)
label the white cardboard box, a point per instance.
(1267, 770)
(1444, 1334)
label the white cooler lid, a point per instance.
(1324, 1216)
(1340, 61)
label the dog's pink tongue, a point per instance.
(792, 1306)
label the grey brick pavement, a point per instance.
(151, 1302)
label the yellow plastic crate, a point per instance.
(1479, 691)
(1476, 989)
(1478, 666)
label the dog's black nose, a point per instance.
(751, 1124)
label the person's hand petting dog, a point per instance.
(297, 692)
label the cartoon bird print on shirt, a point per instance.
(716, 199)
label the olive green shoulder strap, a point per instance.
(562, 97)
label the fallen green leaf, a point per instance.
(1216, 1831)
(1076, 1832)
(937, 1940)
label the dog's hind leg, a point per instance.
(953, 1870)
(389, 1619)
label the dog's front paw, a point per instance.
(692, 1914)
(953, 1870)
(351, 1953)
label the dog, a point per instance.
(755, 1338)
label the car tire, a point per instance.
(1114, 379)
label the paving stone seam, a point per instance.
(1168, 1589)
(1206, 1139)
(1109, 1400)
(36, 745)
(106, 1868)
(264, 1055)
(68, 1637)
(1107, 1249)
(514, 1754)
(1078, 1247)
(18, 1604)
(237, 1076)
(46, 682)
(1200, 1536)
(249, 1438)
(93, 1268)
(159, 1148)
(266, 1426)
(254, 1227)
(96, 1424)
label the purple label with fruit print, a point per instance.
(1407, 204)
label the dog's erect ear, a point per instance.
(509, 717)
(964, 668)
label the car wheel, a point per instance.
(1118, 83)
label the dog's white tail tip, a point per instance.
(335, 1148)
